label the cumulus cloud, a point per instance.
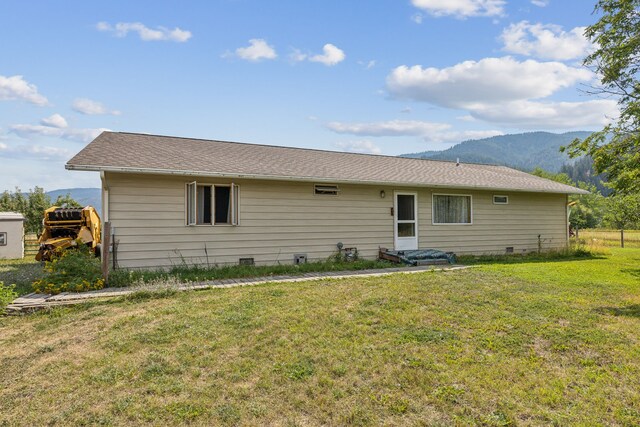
(17, 88)
(55, 120)
(489, 80)
(417, 18)
(461, 8)
(331, 55)
(363, 147)
(90, 107)
(548, 115)
(429, 131)
(545, 41)
(121, 29)
(257, 50)
(56, 126)
(504, 91)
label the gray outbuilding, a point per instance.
(11, 235)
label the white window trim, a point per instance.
(235, 204)
(500, 203)
(433, 210)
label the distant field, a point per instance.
(610, 237)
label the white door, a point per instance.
(405, 220)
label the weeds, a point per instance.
(7, 295)
(74, 270)
(184, 273)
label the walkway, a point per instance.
(33, 301)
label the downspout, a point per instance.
(105, 207)
(569, 205)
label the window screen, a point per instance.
(451, 209)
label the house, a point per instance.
(172, 200)
(11, 235)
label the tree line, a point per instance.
(32, 205)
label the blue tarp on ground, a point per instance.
(413, 257)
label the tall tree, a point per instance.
(616, 60)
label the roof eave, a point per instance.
(95, 168)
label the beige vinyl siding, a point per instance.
(279, 219)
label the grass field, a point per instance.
(531, 343)
(611, 237)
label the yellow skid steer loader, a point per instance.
(65, 227)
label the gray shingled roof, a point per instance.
(130, 152)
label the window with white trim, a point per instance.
(500, 200)
(3, 239)
(212, 204)
(451, 209)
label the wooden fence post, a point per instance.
(106, 246)
(622, 238)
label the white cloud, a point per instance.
(466, 118)
(504, 91)
(429, 131)
(548, 115)
(257, 50)
(90, 107)
(388, 128)
(417, 18)
(545, 41)
(56, 127)
(363, 147)
(461, 8)
(406, 110)
(55, 120)
(17, 88)
(35, 151)
(368, 64)
(121, 29)
(331, 55)
(540, 3)
(489, 80)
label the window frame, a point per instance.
(234, 200)
(5, 241)
(433, 209)
(506, 202)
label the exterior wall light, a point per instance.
(382, 194)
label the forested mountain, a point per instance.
(524, 151)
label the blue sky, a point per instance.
(383, 76)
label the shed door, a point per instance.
(405, 221)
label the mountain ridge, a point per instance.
(524, 151)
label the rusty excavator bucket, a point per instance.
(65, 228)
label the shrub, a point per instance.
(74, 270)
(7, 294)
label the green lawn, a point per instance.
(530, 343)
